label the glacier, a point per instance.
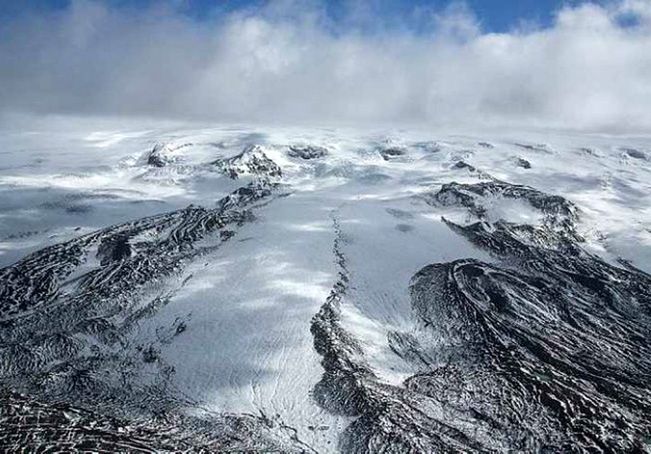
(188, 287)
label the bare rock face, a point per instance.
(558, 213)
(390, 153)
(635, 153)
(523, 336)
(521, 162)
(41, 427)
(157, 157)
(513, 336)
(251, 161)
(163, 154)
(307, 152)
(66, 312)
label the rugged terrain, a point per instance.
(169, 288)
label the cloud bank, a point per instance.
(288, 62)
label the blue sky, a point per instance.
(411, 61)
(494, 15)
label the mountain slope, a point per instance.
(316, 290)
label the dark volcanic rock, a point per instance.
(30, 425)
(588, 151)
(65, 319)
(162, 154)
(464, 165)
(634, 153)
(114, 248)
(545, 350)
(539, 147)
(156, 158)
(392, 153)
(520, 162)
(251, 161)
(552, 355)
(307, 151)
(558, 212)
(389, 418)
(35, 280)
(559, 337)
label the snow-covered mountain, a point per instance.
(206, 289)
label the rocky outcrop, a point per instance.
(389, 153)
(162, 154)
(558, 213)
(307, 152)
(43, 427)
(544, 350)
(66, 314)
(251, 161)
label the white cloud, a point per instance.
(288, 62)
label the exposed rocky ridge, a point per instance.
(339, 390)
(162, 154)
(524, 336)
(67, 310)
(45, 427)
(544, 148)
(635, 153)
(510, 370)
(523, 328)
(390, 418)
(558, 213)
(521, 162)
(251, 161)
(462, 165)
(307, 152)
(389, 153)
(141, 249)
